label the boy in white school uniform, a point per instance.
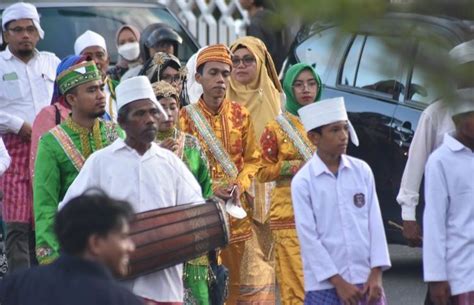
(448, 220)
(338, 219)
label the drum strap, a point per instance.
(68, 146)
(212, 142)
(295, 136)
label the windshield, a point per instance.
(62, 25)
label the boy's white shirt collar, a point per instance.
(320, 167)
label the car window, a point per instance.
(62, 25)
(323, 50)
(352, 61)
(423, 87)
(376, 69)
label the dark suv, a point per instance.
(385, 92)
(63, 21)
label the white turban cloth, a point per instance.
(22, 10)
(89, 39)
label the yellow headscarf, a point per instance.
(262, 96)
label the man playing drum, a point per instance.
(139, 171)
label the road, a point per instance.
(403, 283)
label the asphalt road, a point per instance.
(403, 283)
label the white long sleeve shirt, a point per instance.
(5, 159)
(25, 88)
(338, 222)
(448, 220)
(435, 121)
(157, 179)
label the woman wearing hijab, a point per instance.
(285, 149)
(188, 149)
(128, 47)
(254, 84)
(166, 67)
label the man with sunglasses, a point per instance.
(26, 86)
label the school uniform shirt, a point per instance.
(157, 179)
(338, 222)
(448, 220)
(25, 88)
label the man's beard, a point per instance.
(97, 114)
(25, 53)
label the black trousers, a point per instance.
(20, 246)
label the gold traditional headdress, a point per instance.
(164, 89)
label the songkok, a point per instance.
(326, 112)
(22, 10)
(164, 89)
(77, 75)
(215, 52)
(463, 53)
(89, 39)
(134, 89)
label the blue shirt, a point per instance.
(69, 280)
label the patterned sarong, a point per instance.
(329, 297)
(16, 183)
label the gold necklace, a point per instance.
(163, 135)
(84, 136)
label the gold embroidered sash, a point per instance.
(214, 144)
(73, 154)
(295, 136)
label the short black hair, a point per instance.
(200, 69)
(317, 129)
(123, 112)
(259, 3)
(90, 213)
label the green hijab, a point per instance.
(292, 105)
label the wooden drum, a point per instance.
(169, 236)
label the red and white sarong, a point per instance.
(16, 183)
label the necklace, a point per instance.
(163, 135)
(84, 136)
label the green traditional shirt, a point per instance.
(61, 154)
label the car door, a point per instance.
(421, 91)
(371, 79)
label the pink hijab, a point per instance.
(122, 62)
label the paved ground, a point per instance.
(403, 283)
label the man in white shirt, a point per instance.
(338, 220)
(448, 221)
(26, 86)
(435, 121)
(92, 44)
(139, 171)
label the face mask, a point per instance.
(130, 51)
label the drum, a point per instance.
(169, 236)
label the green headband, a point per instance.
(78, 75)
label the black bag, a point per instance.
(218, 282)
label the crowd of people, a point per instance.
(85, 146)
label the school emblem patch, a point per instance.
(359, 200)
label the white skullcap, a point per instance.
(89, 39)
(22, 10)
(134, 89)
(463, 53)
(326, 112)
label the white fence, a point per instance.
(211, 21)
